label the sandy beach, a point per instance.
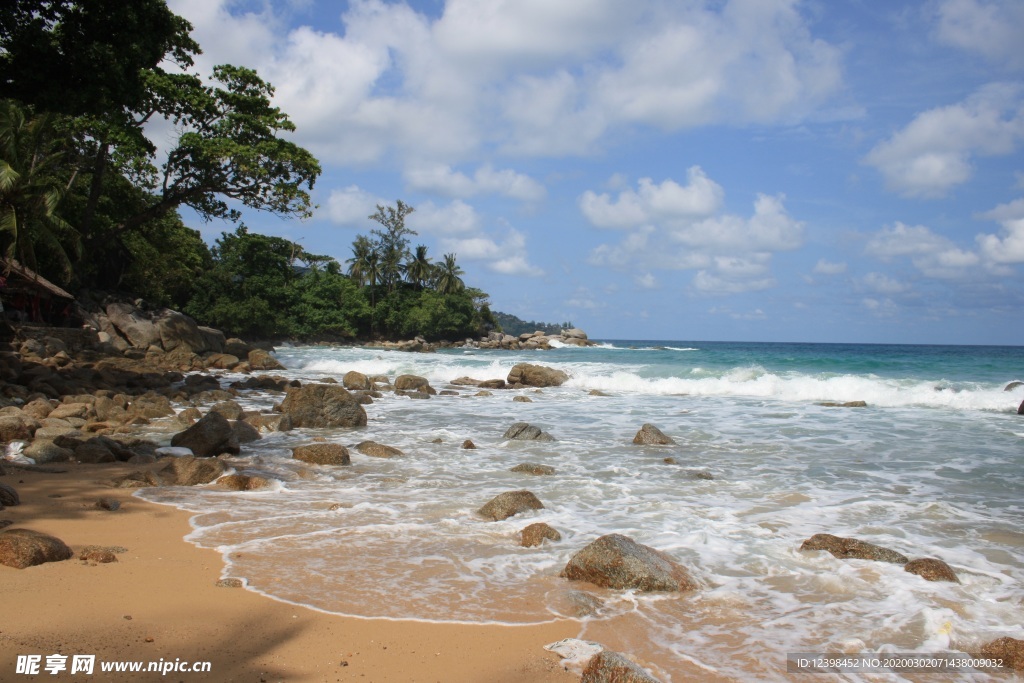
(160, 601)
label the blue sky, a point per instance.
(762, 170)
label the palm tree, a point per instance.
(33, 181)
(362, 253)
(418, 270)
(447, 276)
(391, 266)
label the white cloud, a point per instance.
(455, 218)
(443, 180)
(652, 202)
(352, 205)
(990, 27)
(646, 281)
(882, 308)
(507, 256)
(883, 284)
(1009, 248)
(934, 152)
(823, 267)
(934, 255)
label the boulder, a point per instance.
(94, 451)
(649, 435)
(356, 381)
(236, 347)
(492, 384)
(322, 454)
(536, 376)
(931, 569)
(510, 503)
(323, 406)
(211, 435)
(44, 451)
(270, 422)
(1020, 408)
(413, 383)
(378, 450)
(574, 333)
(98, 554)
(852, 548)
(468, 444)
(244, 432)
(612, 667)
(522, 399)
(8, 496)
(1009, 650)
(521, 431)
(20, 548)
(262, 360)
(229, 409)
(17, 428)
(191, 471)
(535, 534)
(616, 561)
(178, 331)
(133, 325)
(212, 339)
(531, 468)
(243, 482)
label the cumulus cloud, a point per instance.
(351, 205)
(933, 254)
(673, 226)
(1009, 247)
(989, 27)
(934, 152)
(529, 77)
(443, 180)
(505, 255)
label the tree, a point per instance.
(419, 269)
(448, 276)
(33, 181)
(90, 57)
(392, 244)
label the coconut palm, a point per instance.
(419, 269)
(33, 181)
(447, 276)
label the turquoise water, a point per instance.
(930, 467)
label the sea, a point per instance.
(765, 456)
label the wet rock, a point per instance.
(270, 422)
(212, 435)
(612, 667)
(468, 445)
(584, 604)
(617, 561)
(8, 496)
(378, 450)
(322, 454)
(492, 384)
(229, 409)
(522, 399)
(530, 375)
(597, 392)
(94, 451)
(323, 406)
(44, 451)
(531, 468)
(535, 534)
(108, 504)
(649, 435)
(847, 404)
(260, 359)
(1020, 408)
(1009, 650)
(21, 548)
(243, 482)
(521, 431)
(98, 555)
(483, 392)
(413, 383)
(191, 471)
(931, 569)
(229, 583)
(356, 381)
(852, 548)
(510, 503)
(243, 432)
(466, 382)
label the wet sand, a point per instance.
(160, 601)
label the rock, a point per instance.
(522, 399)
(17, 428)
(574, 333)
(8, 496)
(1020, 408)
(270, 422)
(847, 404)
(133, 325)
(492, 384)
(191, 471)
(597, 392)
(98, 555)
(584, 604)
(852, 548)
(521, 431)
(483, 392)
(378, 450)
(94, 451)
(510, 503)
(468, 444)
(44, 451)
(530, 468)
(649, 435)
(536, 376)
(931, 569)
(212, 435)
(616, 561)
(356, 381)
(534, 535)
(229, 409)
(244, 432)
(229, 583)
(322, 454)
(178, 331)
(20, 548)
(612, 667)
(213, 339)
(323, 405)
(1013, 385)
(262, 360)
(413, 383)
(108, 504)
(1009, 650)
(243, 482)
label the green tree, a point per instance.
(34, 178)
(419, 269)
(329, 305)
(449, 276)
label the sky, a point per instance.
(746, 170)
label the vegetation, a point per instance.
(85, 201)
(510, 324)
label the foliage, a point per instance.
(514, 326)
